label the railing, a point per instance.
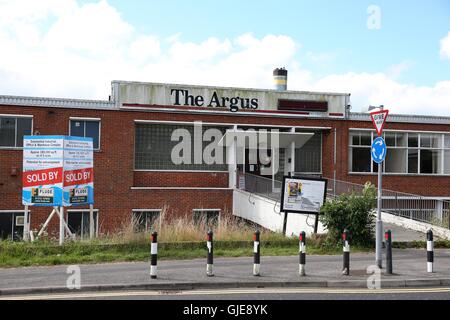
(414, 207)
(259, 185)
(411, 206)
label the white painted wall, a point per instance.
(266, 213)
(415, 225)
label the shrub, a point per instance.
(353, 212)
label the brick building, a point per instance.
(133, 140)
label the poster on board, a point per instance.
(303, 195)
(57, 171)
(42, 178)
(78, 184)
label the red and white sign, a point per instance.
(379, 119)
(42, 177)
(76, 177)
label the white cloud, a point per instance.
(445, 47)
(59, 48)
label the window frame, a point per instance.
(206, 210)
(134, 211)
(442, 149)
(82, 211)
(177, 123)
(84, 119)
(15, 147)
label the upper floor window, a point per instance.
(407, 152)
(86, 128)
(12, 130)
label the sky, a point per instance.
(395, 53)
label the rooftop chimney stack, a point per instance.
(280, 79)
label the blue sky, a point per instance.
(410, 30)
(75, 48)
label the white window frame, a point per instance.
(442, 148)
(99, 120)
(15, 130)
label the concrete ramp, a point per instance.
(266, 213)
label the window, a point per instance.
(407, 152)
(144, 220)
(359, 153)
(206, 217)
(11, 225)
(308, 158)
(79, 223)
(12, 130)
(86, 128)
(153, 148)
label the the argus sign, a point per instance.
(57, 171)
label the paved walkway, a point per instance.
(322, 271)
(401, 234)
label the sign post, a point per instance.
(378, 152)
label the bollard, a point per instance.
(346, 249)
(154, 255)
(256, 253)
(430, 251)
(302, 253)
(388, 237)
(209, 260)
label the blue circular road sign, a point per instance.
(379, 150)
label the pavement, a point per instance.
(401, 234)
(322, 271)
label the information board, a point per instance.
(303, 195)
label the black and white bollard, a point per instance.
(154, 255)
(302, 253)
(388, 238)
(346, 249)
(256, 253)
(430, 251)
(209, 260)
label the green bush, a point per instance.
(353, 212)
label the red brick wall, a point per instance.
(114, 175)
(181, 179)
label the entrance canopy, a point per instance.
(264, 139)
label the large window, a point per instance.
(86, 128)
(154, 148)
(308, 158)
(408, 152)
(12, 130)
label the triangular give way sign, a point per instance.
(378, 119)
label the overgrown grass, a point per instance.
(177, 239)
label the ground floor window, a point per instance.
(145, 220)
(11, 225)
(79, 223)
(207, 217)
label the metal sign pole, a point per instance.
(61, 226)
(379, 225)
(26, 226)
